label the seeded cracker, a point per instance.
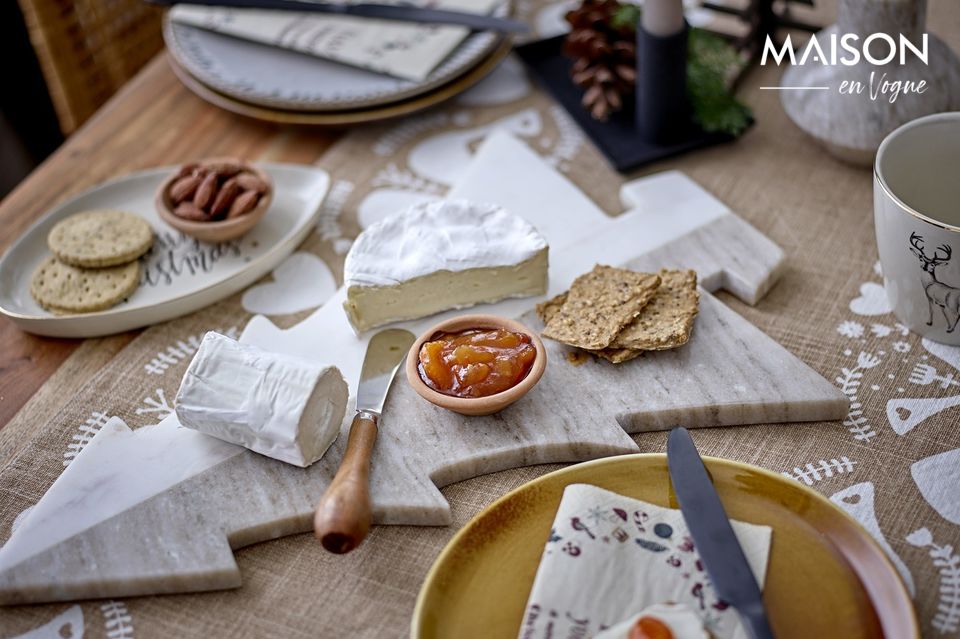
(599, 304)
(667, 321)
(100, 238)
(546, 310)
(63, 288)
(618, 355)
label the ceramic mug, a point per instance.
(916, 193)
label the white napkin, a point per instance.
(404, 50)
(609, 557)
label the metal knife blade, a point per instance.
(713, 535)
(385, 352)
(401, 12)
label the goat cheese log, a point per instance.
(280, 406)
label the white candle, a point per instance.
(662, 17)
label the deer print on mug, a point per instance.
(943, 295)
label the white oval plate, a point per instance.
(273, 77)
(179, 275)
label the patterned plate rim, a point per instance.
(350, 116)
(488, 41)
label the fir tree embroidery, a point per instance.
(849, 381)
(947, 563)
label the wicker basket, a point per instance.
(89, 48)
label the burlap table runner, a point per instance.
(827, 309)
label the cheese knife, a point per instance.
(713, 535)
(404, 12)
(344, 514)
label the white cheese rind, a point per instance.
(280, 406)
(440, 255)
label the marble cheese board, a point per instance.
(85, 538)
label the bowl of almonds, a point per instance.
(215, 200)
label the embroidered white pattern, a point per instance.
(117, 620)
(329, 223)
(849, 381)
(84, 434)
(178, 351)
(392, 176)
(814, 472)
(156, 405)
(849, 328)
(390, 142)
(569, 142)
(947, 563)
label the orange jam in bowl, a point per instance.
(476, 362)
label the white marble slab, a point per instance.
(174, 530)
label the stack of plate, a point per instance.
(280, 85)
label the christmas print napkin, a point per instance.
(609, 557)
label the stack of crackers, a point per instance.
(618, 314)
(95, 262)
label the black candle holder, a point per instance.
(654, 126)
(663, 114)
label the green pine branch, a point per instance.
(715, 108)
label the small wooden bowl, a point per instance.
(475, 405)
(220, 230)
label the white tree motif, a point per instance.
(156, 405)
(849, 381)
(117, 620)
(180, 350)
(84, 434)
(814, 472)
(947, 563)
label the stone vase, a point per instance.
(851, 127)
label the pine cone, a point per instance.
(605, 56)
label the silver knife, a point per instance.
(713, 535)
(405, 12)
(344, 514)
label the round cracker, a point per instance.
(100, 238)
(64, 288)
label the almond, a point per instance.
(188, 169)
(190, 211)
(251, 182)
(224, 169)
(244, 203)
(228, 193)
(184, 188)
(207, 190)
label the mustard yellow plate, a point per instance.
(826, 576)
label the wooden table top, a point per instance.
(152, 121)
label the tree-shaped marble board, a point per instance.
(196, 498)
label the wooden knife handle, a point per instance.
(344, 513)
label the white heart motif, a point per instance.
(302, 281)
(872, 301)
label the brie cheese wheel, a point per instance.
(436, 256)
(679, 619)
(280, 406)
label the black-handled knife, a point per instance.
(400, 12)
(713, 535)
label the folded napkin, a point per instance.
(609, 557)
(404, 50)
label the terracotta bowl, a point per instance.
(475, 405)
(221, 230)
